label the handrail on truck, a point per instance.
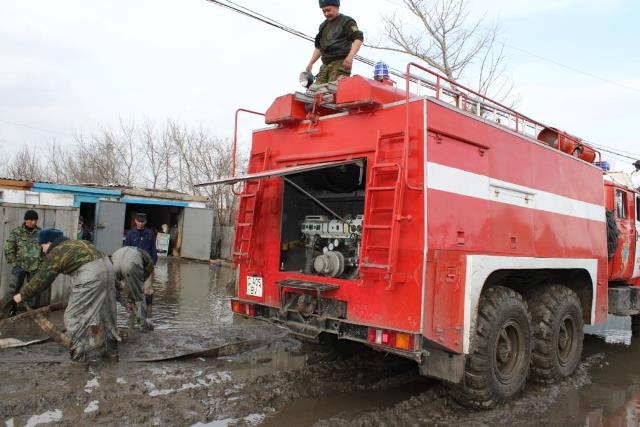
(235, 142)
(481, 104)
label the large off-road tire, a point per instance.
(556, 315)
(497, 369)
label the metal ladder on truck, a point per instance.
(385, 194)
(248, 208)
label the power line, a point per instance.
(233, 6)
(35, 128)
(616, 153)
(568, 67)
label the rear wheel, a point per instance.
(556, 314)
(497, 369)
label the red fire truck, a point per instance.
(436, 224)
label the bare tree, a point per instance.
(127, 151)
(159, 154)
(25, 165)
(443, 35)
(204, 158)
(168, 157)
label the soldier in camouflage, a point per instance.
(92, 304)
(134, 266)
(22, 253)
(337, 43)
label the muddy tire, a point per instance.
(557, 321)
(497, 369)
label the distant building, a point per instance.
(108, 212)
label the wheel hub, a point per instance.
(566, 336)
(509, 348)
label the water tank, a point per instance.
(567, 144)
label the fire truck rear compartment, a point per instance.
(321, 223)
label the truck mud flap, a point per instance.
(304, 330)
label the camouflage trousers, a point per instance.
(92, 308)
(332, 71)
(17, 280)
(130, 270)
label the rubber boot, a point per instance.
(111, 349)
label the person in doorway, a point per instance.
(337, 43)
(22, 253)
(144, 238)
(83, 233)
(92, 304)
(133, 267)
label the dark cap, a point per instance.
(48, 235)
(637, 164)
(141, 217)
(324, 3)
(30, 214)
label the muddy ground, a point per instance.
(280, 381)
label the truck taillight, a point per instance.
(243, 308)
(388, 338)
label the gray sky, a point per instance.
(72, 66)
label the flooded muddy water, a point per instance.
(191, 295)
(282, 381)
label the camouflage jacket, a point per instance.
(22, 249)
(64, 258)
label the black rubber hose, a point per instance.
(612, 234)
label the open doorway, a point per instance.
(322, 214)
(88, 220)
(161, 219)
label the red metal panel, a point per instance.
(285, 109)
(446, 291)
(369, 299)
(477, 224)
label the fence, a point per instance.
(221, 242)
(64, 218)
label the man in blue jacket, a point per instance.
(142, 237)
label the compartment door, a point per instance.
(109, 226)
(197, 226)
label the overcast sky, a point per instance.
(74, 66)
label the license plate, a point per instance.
(254, 286)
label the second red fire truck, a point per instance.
(443, 227)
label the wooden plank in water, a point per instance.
(15, 343)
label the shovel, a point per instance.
(43, 310)
(48, 327)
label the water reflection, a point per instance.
(617, 330)
(613, 397)
(188, 295)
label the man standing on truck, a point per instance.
(23, 254)
(337, 43)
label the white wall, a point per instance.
(198, 205)
(36, 198)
